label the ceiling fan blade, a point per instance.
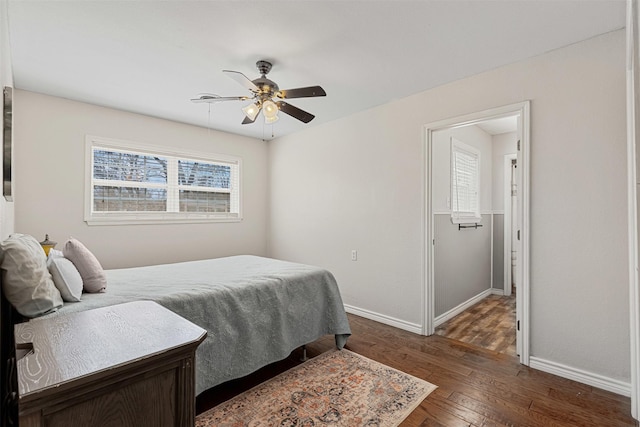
(215, 98)
(302, 92)
(248, 121)
(295, 112)
(242, 79)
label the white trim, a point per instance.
(149, 220)
(632, 202)
(581, 376)
(523, 295)
(467, 216)
(171, 216)
(428, 288)
(460, 308)
(382, 318)
(481, 213)
(426, 315)
(522, 305)
(507, 222)
(491, 230)
(497, 291)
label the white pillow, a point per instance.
(54, 253)
(66, 278)
(93, 276)
(27, 283)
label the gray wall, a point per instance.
(462, 262)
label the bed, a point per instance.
(256, 310)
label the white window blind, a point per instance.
(465, 183)
(129, 183)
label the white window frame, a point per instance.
(172, 215)
(472, 215)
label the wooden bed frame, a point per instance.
(8, 377)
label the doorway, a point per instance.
(476, 220)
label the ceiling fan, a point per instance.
(266, 96)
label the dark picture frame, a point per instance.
(7, 144)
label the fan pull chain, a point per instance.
(264, 125)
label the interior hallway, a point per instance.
(489, 324)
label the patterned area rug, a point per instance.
(337, 388)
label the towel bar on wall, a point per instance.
(476, 225)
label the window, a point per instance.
(132, 183)
(465, 183)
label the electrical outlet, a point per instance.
(354, 255)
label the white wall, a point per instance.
(357, 183)
(49, 187)
(504, 143)
(6, 79)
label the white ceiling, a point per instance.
(498, 126)
(151, 57)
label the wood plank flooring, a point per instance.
(476, 387)
(489, 324)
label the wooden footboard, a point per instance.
(8, 378)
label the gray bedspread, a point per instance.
(256, 310)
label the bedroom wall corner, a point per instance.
(6, 78)
(358, 183)
(49, 180)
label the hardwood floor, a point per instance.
(489, 324)
(476, 387)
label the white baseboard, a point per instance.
(387, 320)
(459, 309)
(564, 371)
(497, 291)
(585, 377)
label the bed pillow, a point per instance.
(54, 253)
(66, 278)
(93, 277)
(27, 283)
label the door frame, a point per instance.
(522, 296)
(507, 223)
(633, 189)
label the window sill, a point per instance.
(470, 220)
(136, 220)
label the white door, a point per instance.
(521, 298)
(510, 255)
(513, 205)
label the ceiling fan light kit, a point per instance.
(266, 96)
(251, 111)
(270, 111)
